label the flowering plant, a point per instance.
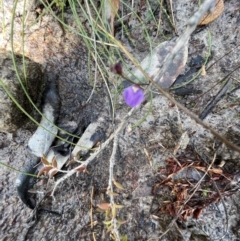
(133, 95)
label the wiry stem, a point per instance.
(110, 184)
(94, 155)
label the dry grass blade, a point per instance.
(109, 13)
(173, 20)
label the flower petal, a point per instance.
(133, 96)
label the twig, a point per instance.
(110, 184)
(159, 20)
(94, 155)
(173, 21)
(216, 99)
(225, 210)
(91, 209)
(209, 67)
(218, 82)
(95, 55)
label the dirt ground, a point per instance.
(157, 173)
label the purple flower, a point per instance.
(133, 95)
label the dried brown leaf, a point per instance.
(118, 185)
(45, 161)
(109, 192)
(121, 221)
(155, 217)
(210, 17)
(114, 211)
(171, 209)
(108, 212)
(197, 212)
(54, 162)
(44, 170)
(203, 169)
(203, 70)
(169, 184)
(107, 222)
(52, 172)
(71, 161)
(81, 168)
(119, 206)
(182, 195)
(213, 170)
(187, 213)
(104, 206)
(216, 170)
